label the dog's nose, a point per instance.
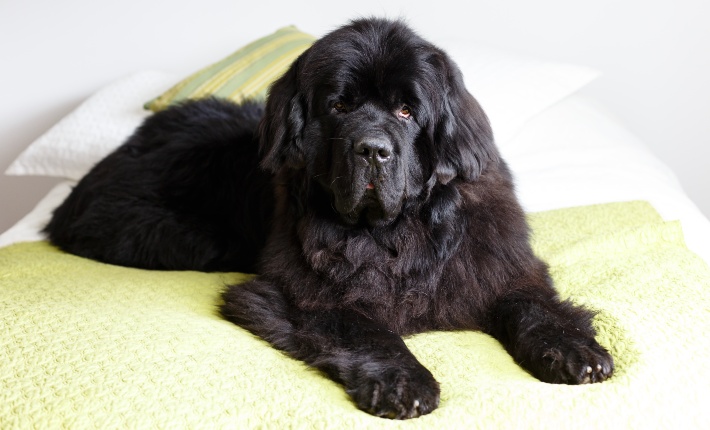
(376, 150)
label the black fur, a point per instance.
(389, 213)
(182, 193)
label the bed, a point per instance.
(90, 345)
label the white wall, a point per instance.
(655, 56)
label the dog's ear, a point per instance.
(461, 133)
(281, 129)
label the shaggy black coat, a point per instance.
(377, 202)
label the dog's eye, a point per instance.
(404, 112)
(340, 107)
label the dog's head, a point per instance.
(375, 115)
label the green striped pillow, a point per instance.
(245, 74)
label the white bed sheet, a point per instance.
(572, 154)
(576, 154)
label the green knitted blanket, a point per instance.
(89, 345)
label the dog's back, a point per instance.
(183, 193)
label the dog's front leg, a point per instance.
(552, 339)
(377, 369)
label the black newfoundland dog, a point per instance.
(370, 199)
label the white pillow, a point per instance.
(100, 124)
(512, 90)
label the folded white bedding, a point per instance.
(572, 154)
(575, 154)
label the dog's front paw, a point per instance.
(397, 393)
(575, 360)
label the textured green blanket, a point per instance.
(89, 345)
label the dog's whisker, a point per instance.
(335, 179)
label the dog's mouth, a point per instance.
(373, 206)
(364, 191)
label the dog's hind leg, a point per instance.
(377, 369)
